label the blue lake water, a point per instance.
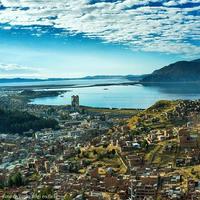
(66, 82)
(131, 96)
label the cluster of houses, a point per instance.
(51, 158)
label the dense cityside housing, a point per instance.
(97, 154)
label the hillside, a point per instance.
(19, 122)
(182, 71)
(155, 116)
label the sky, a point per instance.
(75, 38)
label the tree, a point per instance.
(67, 197)
(19, 122)
(46, 193)
(78, 151)
(2, 184)
(144, 144)
(7, 196)
(18, 180)
(134, 132)
(113, 152)
(15, 180)
(10, 182)
(95, 152)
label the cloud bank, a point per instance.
(169, 26)
(13, 70)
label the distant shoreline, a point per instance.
(62, 86)
(57, 86)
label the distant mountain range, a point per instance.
(129, 77)
(18, 80)
(182, 71)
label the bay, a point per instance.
(124, 96)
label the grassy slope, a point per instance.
(155, 111)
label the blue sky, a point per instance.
(73, 38)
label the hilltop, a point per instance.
(159, 115)
(165, 114)
(182, 71)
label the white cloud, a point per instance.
(164, 27)
(170, 3)
(13, 70)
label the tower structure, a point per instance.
(75, 102)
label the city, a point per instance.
(104, 153)
(99, 100)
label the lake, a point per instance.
(65, 82)
(124, 96)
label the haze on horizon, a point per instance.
(68, 38)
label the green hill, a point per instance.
(19, 122)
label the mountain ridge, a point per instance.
(181, 71)
(16, 80)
